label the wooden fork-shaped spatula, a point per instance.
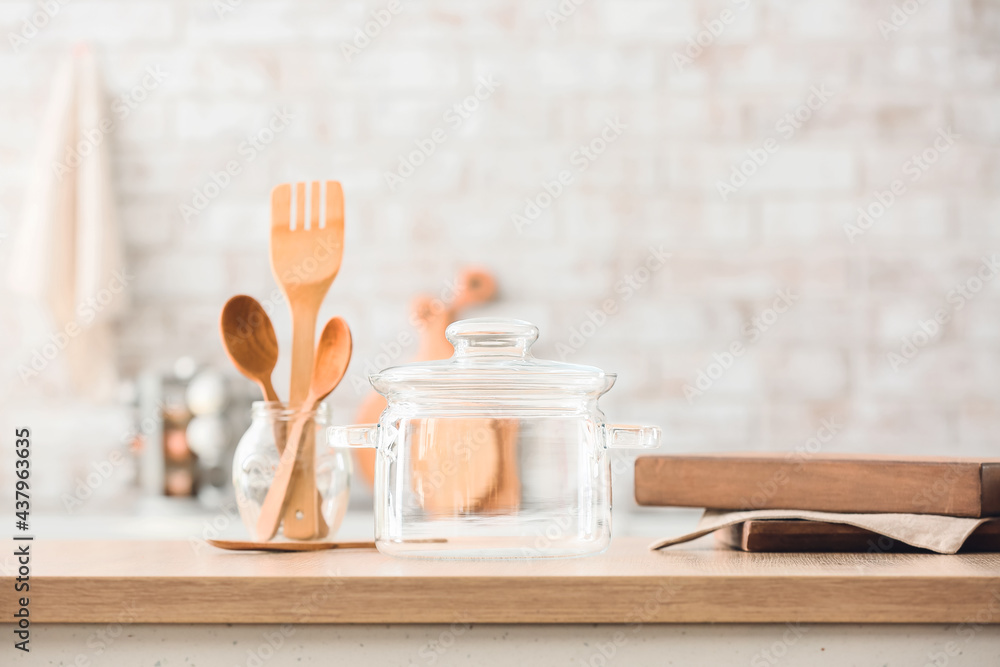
(306, 251)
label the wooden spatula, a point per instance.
(306, 252)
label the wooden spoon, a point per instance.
(332, 356)
(249, 339)
(248, 336)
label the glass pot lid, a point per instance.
(492, 356)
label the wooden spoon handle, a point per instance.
(303, 342)
(301, 513)
(274, 501)
(303, 520)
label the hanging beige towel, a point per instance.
(67, 254)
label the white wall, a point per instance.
(655, 186)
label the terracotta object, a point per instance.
(464, 466)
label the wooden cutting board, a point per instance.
(828, 483)
(457, 466)
(454, 464)
(791, 536)
(473, 286)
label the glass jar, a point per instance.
(492, 453)
(257, 456)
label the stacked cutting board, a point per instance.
(857, 484)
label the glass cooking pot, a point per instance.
(492, 453)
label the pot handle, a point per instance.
(626, 436)
(356, 436)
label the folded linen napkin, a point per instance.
(943, 534)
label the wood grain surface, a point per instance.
(190, 582)
(825, 483)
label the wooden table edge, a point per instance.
(512, 599)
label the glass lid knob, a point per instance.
(488, 336)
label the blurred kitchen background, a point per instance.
(643, 263)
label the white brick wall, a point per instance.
(656, 184)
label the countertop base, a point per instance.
(461, 645)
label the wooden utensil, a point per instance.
(332, 356)
(237, 545)
(473, 287)
(249, 340)
(305, 258)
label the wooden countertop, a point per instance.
(182, 582)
